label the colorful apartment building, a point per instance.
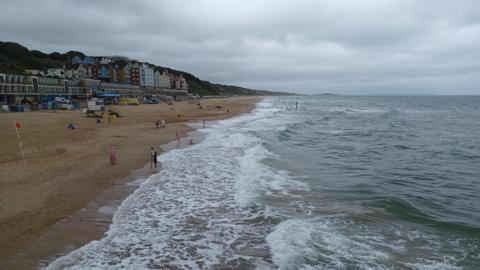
(162, 79)
(179, 83)
(76, 60)
(104, 73)
(146, 75)
(135, 74)
(122, 71)
(94, 72)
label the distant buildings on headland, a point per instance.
(94, 76)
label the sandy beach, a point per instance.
(66, 169)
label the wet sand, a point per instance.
(66, 194)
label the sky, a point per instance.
(367, 47)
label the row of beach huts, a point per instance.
(20, 92)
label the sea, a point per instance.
(310, 182)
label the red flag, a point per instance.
(17, 125)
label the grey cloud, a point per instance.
(307, 46)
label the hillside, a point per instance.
(15, 58)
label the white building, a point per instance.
(146, 75)
(71, 73)
(56, 72)
(162, 79)
(105, 60)
(34, 72)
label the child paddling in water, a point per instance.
(178, 139)
(155, 159)
(152, 154)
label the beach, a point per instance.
(337, 182)
(65, 169)
(340, 182)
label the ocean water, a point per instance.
(339, 183)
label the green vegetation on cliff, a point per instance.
(15, 58)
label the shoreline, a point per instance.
(36, 251)
(92, 221)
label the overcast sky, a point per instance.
(305, 46)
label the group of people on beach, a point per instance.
(153, 153)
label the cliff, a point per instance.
(15, 58)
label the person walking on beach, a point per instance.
(163, 123)
(157, 123)
(113, 156)
(178, 139)
(98, 122)
(155, 160)
(152, 155)
(203, 121)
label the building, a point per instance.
(56, 72)
(117, 71)
(83, 71)
(34, 72)
(162, 79)
(90, 86)
(77, 71)
(113, 74)
(126, 73)
(71, 71)
(105, 60)
(134, 74)
(88, 60)
(179, 83)
(146, 75)
(124, 90)
(94, 72)
(104, 73)
(14, 87)
(77, 60)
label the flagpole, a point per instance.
(20, 143)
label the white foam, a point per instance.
(298, 244)
(136, 182)
(257, 179)
(215, 205)
(107, 210)
(434, 265)
(341, 243)
(290, 243)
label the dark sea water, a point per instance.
(339, 183)
(398, 178)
